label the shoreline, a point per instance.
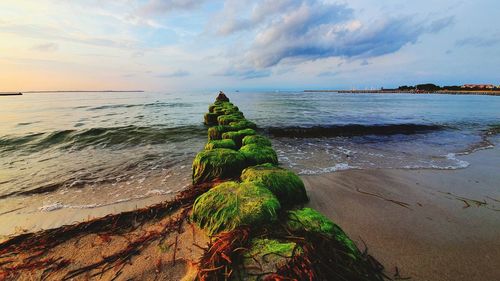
(441, 92)
(423, 224)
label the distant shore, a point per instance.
(482, 93)
(11, 94)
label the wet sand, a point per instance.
(420, 223)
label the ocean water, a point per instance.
(87, 150)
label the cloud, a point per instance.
(477, 41)
(48, 47)
(299, 30)
(156, 7)
(175, 74)
(244, 73)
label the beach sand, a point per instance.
(426, 232)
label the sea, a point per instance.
(83, 151)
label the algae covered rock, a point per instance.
(210, 118)
(257, 154)
(238, 136)
(310, 220)
(257, 139)
(227, 119)
(227, 143)
(232, 204)
(266, 255)
(284, 184)
(243, 124)
(219, 163)
(215, 132)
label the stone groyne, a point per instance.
(255, 215)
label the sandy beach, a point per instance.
(421, 224)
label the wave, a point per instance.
(153, 104)
(99, 137)
(351, 130)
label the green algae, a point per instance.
(237, 136)
(215, 132)
(257, 139)
(265, 255)
(231, 204)
(310, 220)
(219, 163)
(284, 184)
(256, 154)
(243, 124)
(226, 119)
(227, 143)
(210, 119)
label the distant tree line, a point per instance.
(433, 88)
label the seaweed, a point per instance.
(284, 184)
(217, 164)
(238, 136)
(210, 119)
(227, 143)
(310, 220)
(243, 124)
(256, 154)
(233, 117)
(231, 204)
(256, 139)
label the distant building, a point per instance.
(478, 86)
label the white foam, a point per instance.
(335, 168)
(51, 207)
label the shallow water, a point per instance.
(87, 150)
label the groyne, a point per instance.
(255, 212)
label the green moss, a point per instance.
(215, 132)
(284, 184)
(243, 124)
(210, 118)
(219, 163)
(231, 204)
(227, 143)
(238, 136)
(226, 119)
(266, 255)
(256, 154)
(310, 220)
(257, 139)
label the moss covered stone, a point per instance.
(310, 220)
(226, 119)
(227, 143)
(284, 184)
(215, 132)
(243, 124)
(257, 154)
(211, 118)
(219, 163)
(266, 255)
(237, 136)
(257, 139)
(232, 204)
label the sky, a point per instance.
(173, 45)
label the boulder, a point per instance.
(256, 154)
(231, 204)
(238, 136)
(227, 143)
(284, 184)
(219, 163)
(310, 220)
(256, 139)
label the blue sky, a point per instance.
(268, 44)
